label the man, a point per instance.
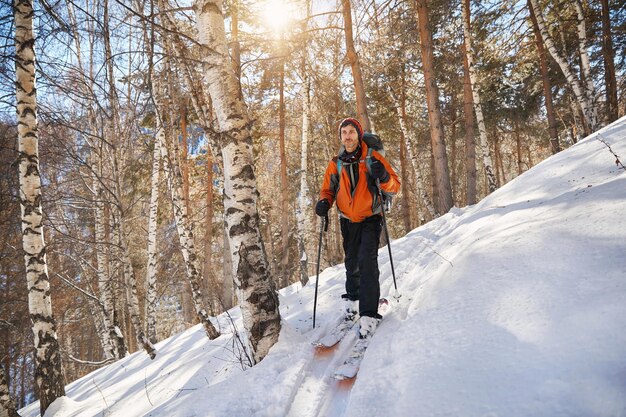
(356, 193)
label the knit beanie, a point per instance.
(353, 122)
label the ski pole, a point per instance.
(323, 229)
(393, 272)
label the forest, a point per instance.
(161, 160)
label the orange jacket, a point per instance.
(363, 202)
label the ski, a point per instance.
(337, 333)
(350, 366)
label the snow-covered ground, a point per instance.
(513, 307)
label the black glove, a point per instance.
(378, 171)
(322, 207)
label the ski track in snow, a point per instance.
(319, 394)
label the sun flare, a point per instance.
(277, 14)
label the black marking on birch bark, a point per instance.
(233, 210)
(246, 174)
(37, 257)
(209, 8)
(26, 111)
(242, 228)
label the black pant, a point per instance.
(360, 244)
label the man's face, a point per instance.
(349, 138)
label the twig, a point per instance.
(437, 253)
(101, 393)
(617, 161)
(4, 322)
(237, 341)
(77, 288)
(145, 384)
(91, 363)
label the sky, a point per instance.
(515, 306)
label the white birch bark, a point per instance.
(304, 203)
(492, 184)
(303, 216)
(227, 271)
(584, 102)
(48, 372)
(151, 269)
(258, 299)
(131, 285)
(7, 406)
(419, 180)
(113, 342)
(585, 63)
(171, 171)
(116, 346)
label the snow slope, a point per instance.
(513, 307)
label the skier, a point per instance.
(355, 191)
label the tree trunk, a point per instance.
(410, 155)
(113, 336)
(185, 233)
(48, 372)
(129, 273)
(443, 202)
(208, 238)
(608, 55)
(547, 87)
(234, 42)
(470, 144)
(407, 208)
(586, 104)
(258, 299)
(357, 76)
(227, 272)
(585, 64)
(284, 186)
(7, 406)
(151, 269)
(480, 120)
(304, 202)
(187, 301)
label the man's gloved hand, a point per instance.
(378, 171)
(322, 207)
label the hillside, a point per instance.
(513, 307)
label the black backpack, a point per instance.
(374, 143)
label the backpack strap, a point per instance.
(368, 161)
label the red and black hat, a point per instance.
(354, 122)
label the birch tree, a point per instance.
(303, 218)
(583, 100)
(547, 87)
(284, 186)
(492, 184)
(114, 344)
(608, 55)
(410, 154)
(259, 302)
(185, 233)
(151, 269)
(49, 377)
(7, 406)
